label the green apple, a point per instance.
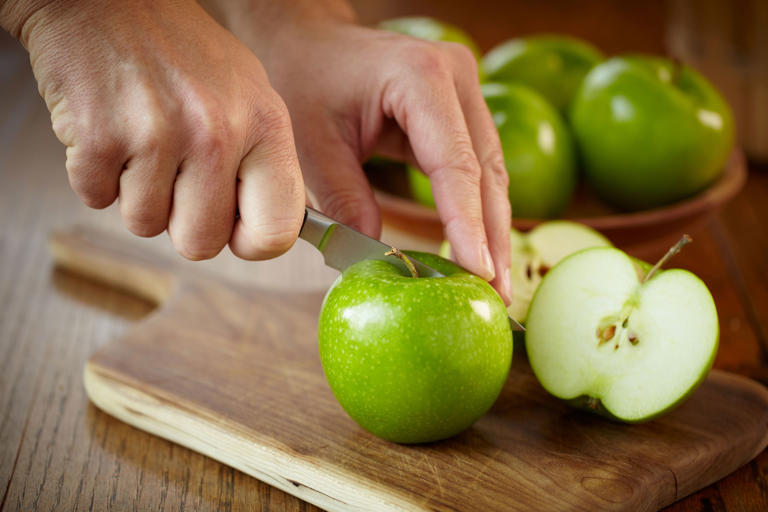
(420, 188)
(650, 131)
(537, 251)
(608, 335)
(552, 65)
(414, 359)
(538, 153)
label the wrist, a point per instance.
(15, 15)
(265, 25)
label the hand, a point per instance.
(160, 106)
(353, 91)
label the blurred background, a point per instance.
(727, 40)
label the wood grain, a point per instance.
(232, 372)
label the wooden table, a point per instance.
(59, 452)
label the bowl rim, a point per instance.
(722, 190)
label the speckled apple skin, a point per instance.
(414, 360)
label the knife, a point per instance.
(343, 246)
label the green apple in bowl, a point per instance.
(414, 359)
(613, 337)
(538, 153)
(553, 65)
(650, 131)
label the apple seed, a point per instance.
(606, 334)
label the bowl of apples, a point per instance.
(637, 147)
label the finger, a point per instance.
(270, 195)
(94, 168)
(203, 209)
(146, 191)
(428, 110)
(336, 180)
(494, 181)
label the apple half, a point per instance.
(535, 252)
(604, 336)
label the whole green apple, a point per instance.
(609, 336)
(414, 359)
(552, 65)
(538, 153)
(650, 131)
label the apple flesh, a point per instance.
(535, 252)
(414, 360)
(606, 339)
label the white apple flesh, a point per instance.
(537, 251)
(599, 334)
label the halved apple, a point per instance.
(535, 252)
(614, 337)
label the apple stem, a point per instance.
(393, 251)
(671, 252)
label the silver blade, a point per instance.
(343, 246)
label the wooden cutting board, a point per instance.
(233, 372)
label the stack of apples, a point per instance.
(645, 131)
(418, 359)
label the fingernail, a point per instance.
(490, 273)
(506, 285)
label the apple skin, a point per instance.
(414, 360)
(542, 328)
(552, 65)
(538, 153)
(419, 185)
(650, 132)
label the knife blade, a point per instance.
(343, 246)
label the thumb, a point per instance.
(270, 197)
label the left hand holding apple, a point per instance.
(352, 90)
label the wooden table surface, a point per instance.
(58, 452)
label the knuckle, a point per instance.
(92, 181)
(155, 133)
(462, 56)
(496, 168)
(99, 147)
(465, 163)
(344, 204)
(144, 221)
(274, 237)
(428, 59)
(196, 248)
(273, 121)
(96, 199)
(214, 137)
